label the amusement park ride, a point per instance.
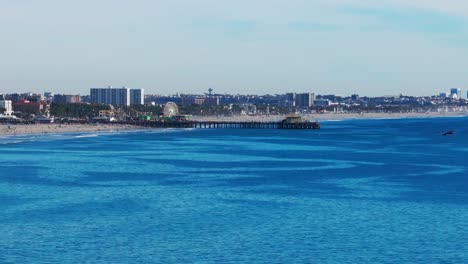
(170, 113)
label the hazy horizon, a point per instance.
(246, 47)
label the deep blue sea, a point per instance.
(368, 191)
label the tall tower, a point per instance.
(210, 92)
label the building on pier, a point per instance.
(294, 119)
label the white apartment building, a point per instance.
(7, 105)
(117, 96)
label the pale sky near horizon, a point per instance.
(414, 47)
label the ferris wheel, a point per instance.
(170, 109)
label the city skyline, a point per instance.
(247, 47)
(137, 95)
(208, 92)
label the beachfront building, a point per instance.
(117, 96)
(137, 96)
(7, 104)
(30, 107)
(109, 95)
(305, 99)
(66, 98)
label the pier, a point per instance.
(224, 124)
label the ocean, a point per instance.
(357, 191)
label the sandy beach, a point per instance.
(6, 129)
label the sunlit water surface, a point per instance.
(375, 191)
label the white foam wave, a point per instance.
(87, 136)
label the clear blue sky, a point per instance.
(368, 47)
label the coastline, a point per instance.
(43, 129)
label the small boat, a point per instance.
(450, 132)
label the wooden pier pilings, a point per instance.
(225, 124)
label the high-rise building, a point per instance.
(290, 99)
(305, 99)
(137, 96)
(456, 92)
(117, 96)
(109, 95)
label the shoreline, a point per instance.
(47, 129)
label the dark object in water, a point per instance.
(447, 133)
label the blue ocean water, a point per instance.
(368, 191)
